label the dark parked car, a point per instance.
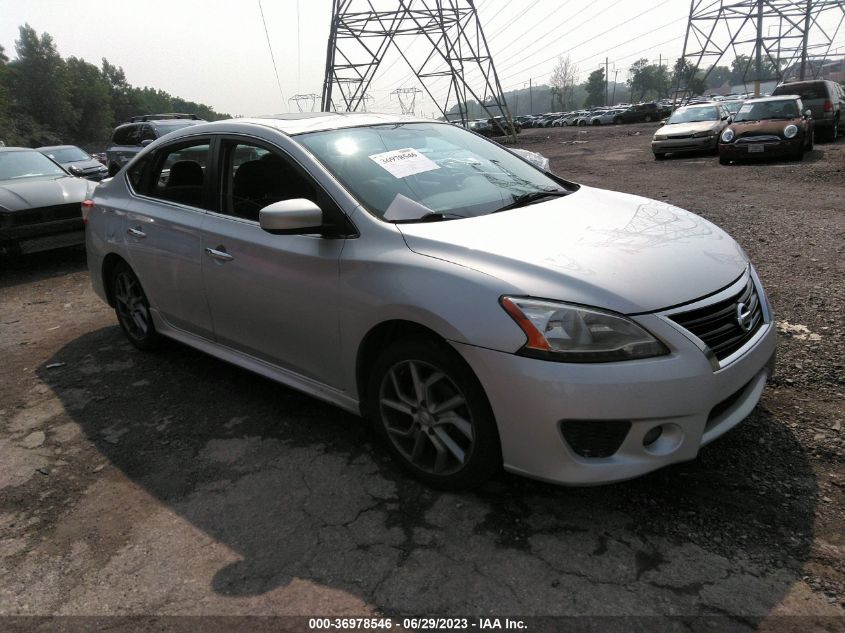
(77, 161)
(130, 138)
(825, 99)
(642, 112)
(39, 203)
(768, 126)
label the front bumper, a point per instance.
(784, 147)
(670, 145)
(682, 392)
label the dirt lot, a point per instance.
(172, 484)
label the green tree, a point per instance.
(719, 75)
(91, 100)
(39, 83)
(595, 88)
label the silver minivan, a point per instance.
(481, 312)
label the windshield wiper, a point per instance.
(530, 198)
(434, 216)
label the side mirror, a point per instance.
(146, 142)
(730, 120)
(291, 217)
(808, 113)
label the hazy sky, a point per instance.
(216, 52)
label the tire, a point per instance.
(133, 309)
(455, 449)
(812, 144)
(798, 155)
(660, 156)
(647, 118)
(833, 132)
(723, 160)
(596, 122)
(618, 120)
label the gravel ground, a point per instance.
(172, 484)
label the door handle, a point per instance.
(223, 256)
(136, 233)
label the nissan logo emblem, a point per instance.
(744, 317)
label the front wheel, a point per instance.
(133, 309)
(723, 160)
(811, 145)
(433, 414)
(648, 118)
(659, 156)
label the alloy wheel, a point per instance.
(427, 417)
(131, 305)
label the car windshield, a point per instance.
(694, 115)
(732, 106)
(67, 155)
(30, 164)
(418, 171)
(767, 110)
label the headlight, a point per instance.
(790, 131)
(728, 135)
(659, 137)
(575, 334)
(704, 134)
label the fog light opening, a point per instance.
(653, 435)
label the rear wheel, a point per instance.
(833, 132)
(432, 413)
(811, 144)
(133, 309)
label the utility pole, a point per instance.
(530, 97)
(758, 50)
(606, 79)
(615, 73)
(362, 32)
(804, 40)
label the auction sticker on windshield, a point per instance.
(402, 163)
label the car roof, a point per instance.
(301, 122)
(773, 98)
(47, 147)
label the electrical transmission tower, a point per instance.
(310, 101)
(783, 39)
(407, 98)
(455, 50)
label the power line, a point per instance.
(272, 57)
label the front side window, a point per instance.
(414, 171)
(178, 174)
(255, 177)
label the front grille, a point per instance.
(718, 324)
(42, 214)
(595, 438)
(759, 138)
(679, 136)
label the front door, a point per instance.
(273, 297)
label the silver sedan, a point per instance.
(479, 311)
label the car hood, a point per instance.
(83, 165)
(774, 126)
(688, 128)
(595, 247)
(30, 193)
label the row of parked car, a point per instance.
(620, 113)
(784, 124)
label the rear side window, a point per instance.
(177, 174)
(129, 135)
(807, 91)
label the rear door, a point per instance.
(172, 196)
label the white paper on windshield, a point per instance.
(744, 109)
(402, 163)
(403, 208)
